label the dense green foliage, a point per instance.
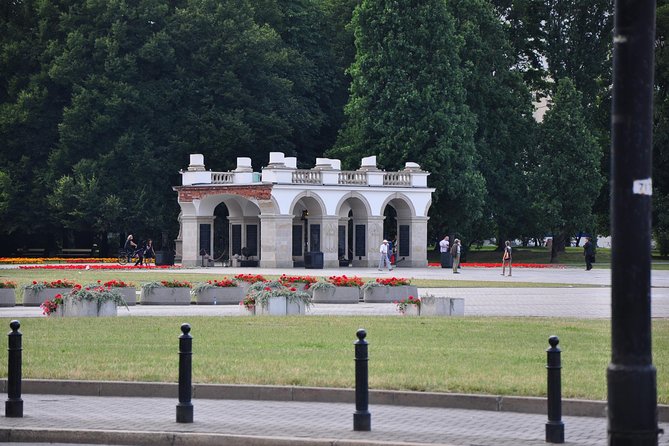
(102, 101)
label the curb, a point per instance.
(135, 438)
(497, 403)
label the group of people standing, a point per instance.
(143, 253)
(450, 254)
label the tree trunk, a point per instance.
(557, 246)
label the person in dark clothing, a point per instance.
(140, 256)
(589, 253)
(129, 247)
(149, 253)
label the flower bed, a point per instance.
(409, 307)
(275, 299)
(299, 282)
(388, 290)
(337, 289)
(218, 292)
(7, 293)
(88, 301)
(166, 292)
(127, 290)
(499, 265)
(104, 266)
(37, 292)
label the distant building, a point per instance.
(284, 216)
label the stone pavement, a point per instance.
(151, 421)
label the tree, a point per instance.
(661, 131)
(566, 178)
(505, 133)
(408, 102)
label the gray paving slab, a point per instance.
(295, 420)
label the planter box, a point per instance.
(165, 296)
(221, 295)
(86, 308)
(80, 308)
(247, 311)
(129, 294)
(337, 295)
(276, 306)
(385, 294)
(108, 309)
(443, 306)
(280, 306)
(411, 310)
(7, 297)
(295, 307)
(35, 299)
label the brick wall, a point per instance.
(190, 193)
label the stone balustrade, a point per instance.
(282, 170)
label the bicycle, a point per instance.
(124, 255)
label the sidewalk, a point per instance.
(152, 421)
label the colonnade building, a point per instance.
(284, 217)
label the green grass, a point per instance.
(472, 355)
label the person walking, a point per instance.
(140, 256)
(455, 253)
(506, 257)
(589, 253)
(129, 247)
(445, 251)
(383, 251)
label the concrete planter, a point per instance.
(385, 294)
(281, 306)
(79, 308)
(86, 308)
(221, 295)
(32, 298)
(165, 296)
(411, 310)
(247, 311)
(7, 297)
(108, 309)
(337, 295)
(129, 294)
(275, 306)
(442, 306)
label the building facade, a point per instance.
(286, 217)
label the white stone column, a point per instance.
(190, 238)
(418, 241)
(330, 241)
(374, 240)
(276, 249)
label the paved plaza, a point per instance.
(150, 420)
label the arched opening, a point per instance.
(221, 234)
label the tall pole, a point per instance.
(631, 376)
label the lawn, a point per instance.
(473, 355)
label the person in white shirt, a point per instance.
(383, 250)
(445, 250)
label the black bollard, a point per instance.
(555, 426)
(14, 403)
(362, 419)
(185, 407)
